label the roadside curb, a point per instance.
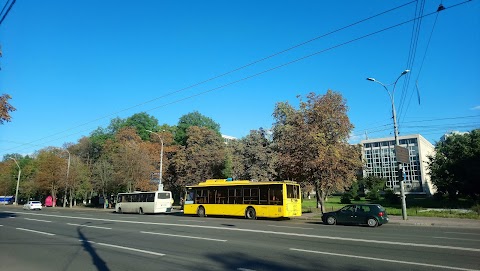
(418, 221)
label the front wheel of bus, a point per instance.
(140, 211)
(201, 211)
(250, 213)
(119, 210)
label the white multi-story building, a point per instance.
(227, 138)
(379, 158)
(445, 136)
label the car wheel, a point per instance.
(372, 222)
(201, 211)
(119, 210)
(331, 220)
(250, 213)
(140, 211)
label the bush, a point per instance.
(346, 198)
(391, 197)
(476, 208)
(439, 196)
(373, 195)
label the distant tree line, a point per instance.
(307, 144)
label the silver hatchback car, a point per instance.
(33, 205)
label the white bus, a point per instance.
(144, 202)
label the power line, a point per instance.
(226, 73)
(6, 12)
(440, 8)
(430, 126)
(413, 51)
(247, 77)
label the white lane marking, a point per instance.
(245, 269)
(37, 220)
(384, 260)
(126, 248)
(466, 233)
(451, 238)
(184, 236)
(290, 227)
(97, 227)
(191, 220)
(41, 232)
(262, 231)
(1, 225)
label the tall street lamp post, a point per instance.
(18, 180)
(160, 185)
(397, 141)
(66, 182)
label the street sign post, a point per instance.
(402, 154)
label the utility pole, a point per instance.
(160, 184)
(18, 180)
(397, 141)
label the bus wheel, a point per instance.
(250, 213)
(119, 210)
(201, 211)
(140, 211)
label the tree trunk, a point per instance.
(320, 199)
(54, 196)
(65, 198)
(71, 198)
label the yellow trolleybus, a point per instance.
(244, 198)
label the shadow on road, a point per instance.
(7, 214)
(235, 261)
(87, 246)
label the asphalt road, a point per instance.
(73, 239)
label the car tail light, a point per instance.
(380, 214)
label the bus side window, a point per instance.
(190, 196)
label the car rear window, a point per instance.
(35, 202)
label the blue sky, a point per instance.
(72, 66)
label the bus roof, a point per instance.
(140, 192)
(229, 182)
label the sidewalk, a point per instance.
(414, 221)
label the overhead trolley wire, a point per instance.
(413, 50)
(440, 8)
(254, 75)
(220, 75)
(8, 10)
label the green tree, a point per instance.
(193, 119)
(202, 158)
(373, 185)
(252, 157)
(235, 167)
(454, 168)
(142, 122)
(312, 144)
